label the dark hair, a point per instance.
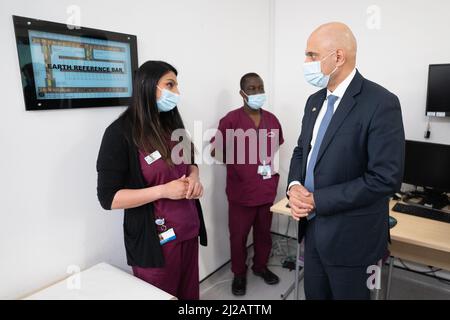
(150, 129)
(247, 76)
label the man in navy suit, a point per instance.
(347, 162)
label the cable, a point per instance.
(279, 245)
(247, 261)
(275, 243)
(447, 282)
(214, 285)
(282, 247)
(275, 265)
(431, 273)
(422, 272)
(287, 239)
(287, 228)
(427, 133)
(286, 258)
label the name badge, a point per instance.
(167, 236)
(153, 157)
(265, 171)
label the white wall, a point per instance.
(50, 214)
(412, 35)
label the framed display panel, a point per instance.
(64, 67)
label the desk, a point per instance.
(280, 208)
(102, 282)
(420, 240)
(415, 239)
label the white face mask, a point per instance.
(255, 101)
(313, 73)
(167, 101)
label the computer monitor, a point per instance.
(428, 165)
(438, 103)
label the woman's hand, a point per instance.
(176, 189)
(195, 188)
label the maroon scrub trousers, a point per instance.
(249, 195)
(180, 274)
(179, 277)
(241, 219)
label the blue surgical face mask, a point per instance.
(167, 101)
(255, 101)
(313, 73)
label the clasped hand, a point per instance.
(301, 202)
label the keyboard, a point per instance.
(422, 212)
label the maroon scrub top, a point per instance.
(181, 215)
(244, 185)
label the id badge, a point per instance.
(265, 171)
(167, 236)
(268, 172)
(153, 157)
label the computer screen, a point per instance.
(438, 103)
(427, 165)
(65, 67)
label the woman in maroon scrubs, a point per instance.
(159, 192)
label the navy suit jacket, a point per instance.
(359, 165)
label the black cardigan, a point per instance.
(118, 168)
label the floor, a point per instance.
(406, 285)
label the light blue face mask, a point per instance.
(167, 101)
(256, 101)
(313, 73)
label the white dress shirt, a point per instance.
(338, 92)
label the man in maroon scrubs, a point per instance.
(250, 136)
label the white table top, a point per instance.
(101, 282)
